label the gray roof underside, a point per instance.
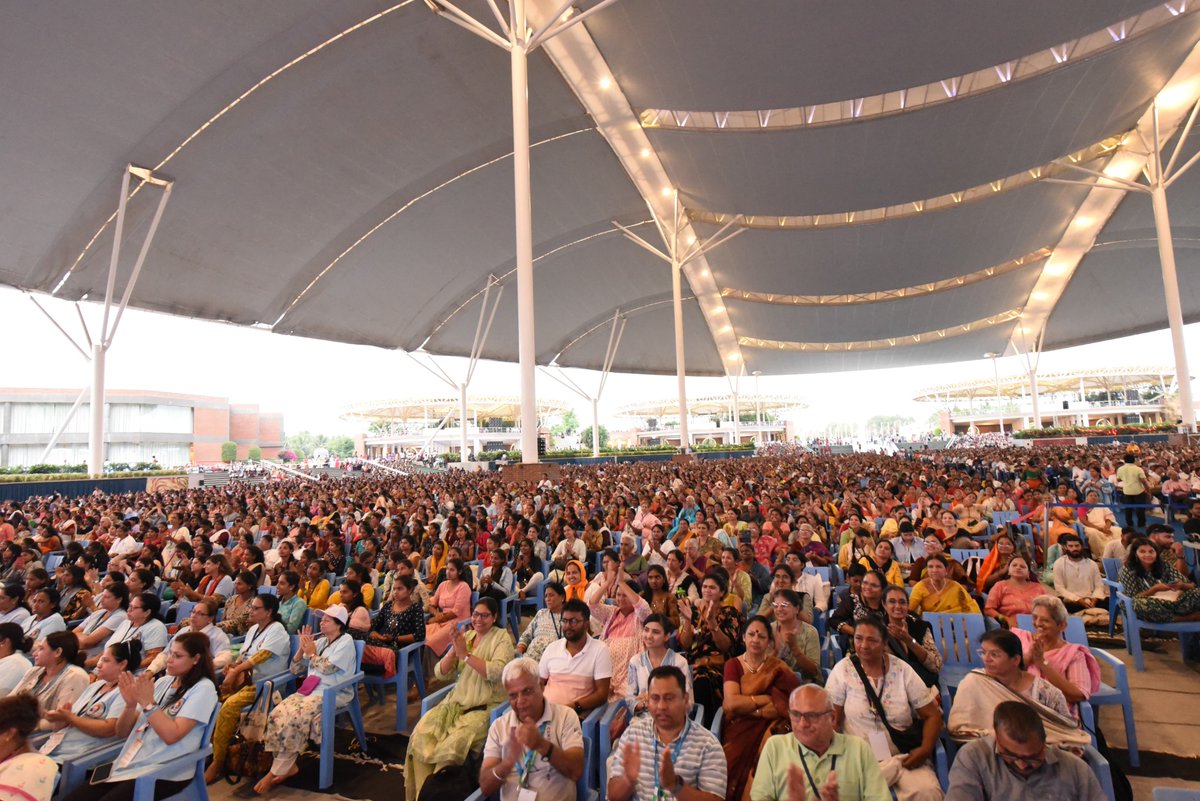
(365, 194)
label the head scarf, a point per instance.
(576, 590)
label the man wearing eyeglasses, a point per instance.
(814, 762)
(1015, 763)
(576, 671)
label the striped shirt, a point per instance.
(701, 761)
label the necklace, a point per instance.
(752, 668)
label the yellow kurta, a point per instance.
(954, 598)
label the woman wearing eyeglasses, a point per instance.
(264, 653)
(1004, 678)
(458, 725)
(797, 643)
(870, 681)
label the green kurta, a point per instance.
(459, 724)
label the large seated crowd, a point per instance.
(766, 628)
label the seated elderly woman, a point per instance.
(1004, 678)
(881, 699)
(25, 774)
(201, 620)
(328, 659)
(92, 719)
(459, 724)
(1068, 666)
(757, 685)
(937, 592)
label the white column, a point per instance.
(96, 431)
(526, 347)
(462, 422)
(737, 421)
(595, 426)
(1033, 396)
(1166, 256)
(680, 376)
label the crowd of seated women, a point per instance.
(160, 613)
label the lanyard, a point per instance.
(811, 783)
(44, 693)
(659, 793)
(92, 628)
(524, 771)
(130, 633)
(556, 624)
(94, 695)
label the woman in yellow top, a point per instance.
(937, 592)
(884, 563)
(315, 587)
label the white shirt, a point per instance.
(567, 550)
(39, 629)
(560, 725)
(1074, 580)
(666, 547)
(126, 544)
(901, 692)
(274, 639)
(12, 668)
(196, 704)
(18, 615)
(816, 589)
(563, 672)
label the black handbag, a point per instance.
(906, 740)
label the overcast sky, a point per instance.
(312, 381)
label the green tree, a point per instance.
(585, 438)
(341, 446)
(569, 424)
(306, 441)
(228, 451)
(254, 454)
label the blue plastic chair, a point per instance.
(957, 638)
(605, 743)
(268, 589)
(1107, 695)
(197, 790)
(962, 554)
(408, 660)
(1175, 794)
(1100, 767)
(73, 773)
(329, 712)
(1134, 627)
(1112, 574)
(591, 728)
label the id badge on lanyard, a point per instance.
(525, 770)
(659, 793)
(139, 734)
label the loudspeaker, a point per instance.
(1066, 405)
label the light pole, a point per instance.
(996, 371)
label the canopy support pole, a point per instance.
(678, 258)
(610, 355)
(758, 418)
(63, 427)
(1158, 179)
(515, 37)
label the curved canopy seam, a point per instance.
(934, 93)
(912, 208)
(918, 290)
(886, 342)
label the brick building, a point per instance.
(140, 426)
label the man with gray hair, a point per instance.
(536, 748)
(815, 762)
(1015, 763)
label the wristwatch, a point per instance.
(578, 708)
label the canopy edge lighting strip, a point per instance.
(887, 342)
(1050, 383)
(890, 294)
(911, 208)
(935, 93)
